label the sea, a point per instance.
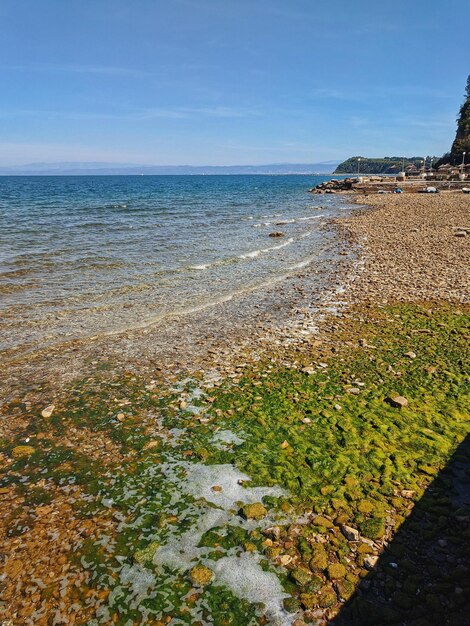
(84, 256)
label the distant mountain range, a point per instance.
(108, 169)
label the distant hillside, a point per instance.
(113, 169)
(385, 165)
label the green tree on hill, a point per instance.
(462, 137)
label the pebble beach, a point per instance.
(313, 431)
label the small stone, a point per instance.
(308, 370)
(285, 559)
(201, 575)
(337, 407)
(217, 488)
(20, 451)
(254, 511)
(274, 532)
(183, 405)
(407, 493)
(397, 401)
(47, 412)
(410, 355)
(460, 233)
(284, 444)
(307, 420)
(350, 533)
(152, 444)
(371, 561)
(353, 390)
(277, 233)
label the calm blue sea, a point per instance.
(85, 255)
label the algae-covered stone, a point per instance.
(365, 506)
(301, 576)
(21, 451)
(365, 549)
(373, 528)
(254, 511)
(250, 547)
(202, 453)
(345, 589)
(336, 570)
(308, 600)
(319, 559)
(201, 575)
(319, 520)
(327, 598)
(292, 605)
(146, 554)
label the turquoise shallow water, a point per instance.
(89, 255)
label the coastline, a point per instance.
(383, 295)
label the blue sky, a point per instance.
(229, 81)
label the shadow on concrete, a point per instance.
(423, 577)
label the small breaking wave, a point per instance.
(255, 253)
(289, 221)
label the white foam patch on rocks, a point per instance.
(241, 573)
(201, 478)
(246, 579)
(228, 437)
(182, 552)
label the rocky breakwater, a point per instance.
(334, 185)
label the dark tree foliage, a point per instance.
(385, 165)
(462, 137)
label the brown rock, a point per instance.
(397, 401)
(47, 412)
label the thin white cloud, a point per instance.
(177, 112)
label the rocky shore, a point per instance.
(346, 417)
(413, 250)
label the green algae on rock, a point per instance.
(21, 451)
(256, 510)
(201, 575)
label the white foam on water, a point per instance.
(250, 255)
(246, 579)
(255, 253)
(199, 267)
(311, 217)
